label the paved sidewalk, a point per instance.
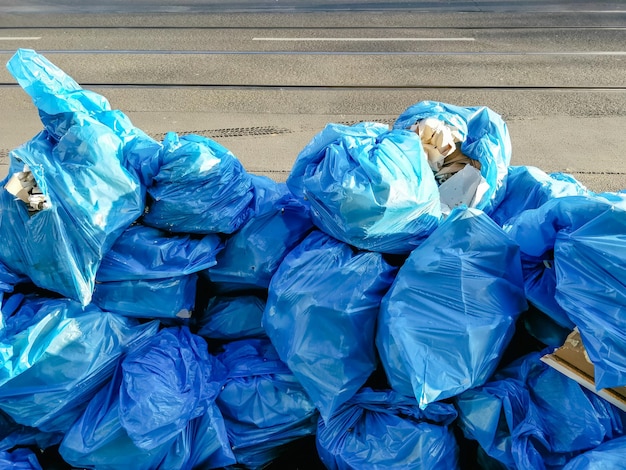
(268, 144)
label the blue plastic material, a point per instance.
(13, 435)
(321, 316)
(8, 280)
(230, 318)
(607, 456)
(368, 186)
(486, 139)
(91, 198)
(528, 187)
(149, 253)
(378, 430)
(62, 103)
(19, 459)
(252, 254)
(54, 356)
(530, 416)
(59, 99)
(173, 298)
(142, 419)
(200, 187)
(451, 311)
(591, 287)
(263, 404)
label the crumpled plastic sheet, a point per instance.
(252, 254)
(485, 138)
(200, 188)
(607, 456)
(327, 340)
(528, 187)
(13, 435)
(169, 300)
(149, 253)
(379, 429)
(546, 240)
(368, 186)
(19, 459)
(232, 317)
(54, 356)
(451, 310)
(264, 405)
(530, 416)
(145, 416)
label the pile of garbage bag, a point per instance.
(388, 306)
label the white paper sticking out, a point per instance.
(466, 187)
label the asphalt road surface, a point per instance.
(263, 77)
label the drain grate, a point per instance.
(4, 157)
(233, 132)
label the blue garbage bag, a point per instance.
(263, 404)
(56, 95)
(321, 316)
(530, 416)
(383, 429)
(200, 187)
(591, 287)
(368, 186)
(252, 254)
(8, 280)
(55, 355)
(172, 298)
(142, 418)
(62, 103)
(485, 137)
(451, 311)
(232, 317)
(528, 187)
(90, 199)
(13, 435)
(19, 459)
(535, 230)
(148, 253)
(607, 456)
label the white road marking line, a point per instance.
(363, 39)
(8, 38)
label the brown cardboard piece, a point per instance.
(571, 359)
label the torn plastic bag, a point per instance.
(528, 187)
(172, 298)
(607, 456)
(19, 459)
(535, 230)
(264, 406)
(530, 416)
(142, 418)
(148, 253)
(55, 355)
(451, 311)
(384, 430)
(89, 199)
(232, 317)
(368, 186)
(321, 316)
(252, 254)
(591, 287)
(200, 188)
(62, 102)
(484, 137)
